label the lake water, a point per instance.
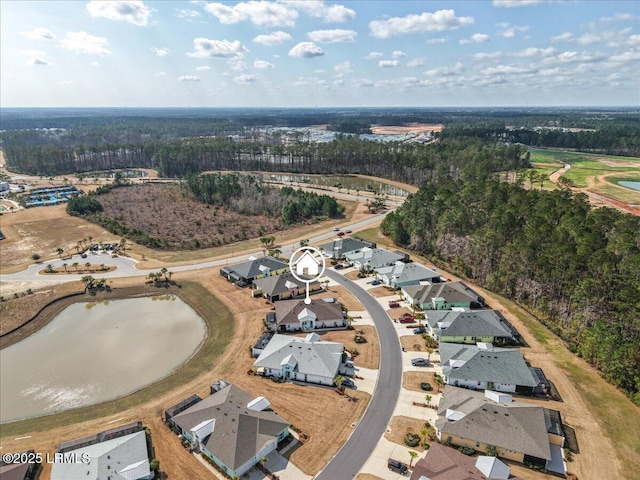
(347, 182)
(94, 352)
(630, 184)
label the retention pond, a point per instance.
(95, 352)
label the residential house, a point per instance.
(296, 315)
(486, 367)
(118, 453)
(402, 274)
(446, 463)
(373, 258)
(28, 470)
(262, 342)
(519, 431)
(231, 428)
(280, 287)
(470, 326)
(245, 273)
(306, 359)
(340, 247)
(442, 296)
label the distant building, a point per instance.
(4, 186)
(373, 258)
(470, 326)
(402, 274)
(340, 247)
(442, 296)
(245, 273)
(295, 315)
(284, 286)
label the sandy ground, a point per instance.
(400, 426)
(407, 128)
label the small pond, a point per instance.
(95, 352)
(629, 184)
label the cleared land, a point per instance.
(411, 381)
(400, 426)
(412, 127)
(606, 422)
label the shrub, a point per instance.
(360, 339)
(412, 440)
(426, 386)
(467, 450)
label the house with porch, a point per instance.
(519, 431)
(230, 427)
(402, 274)
(340, 247)
(307, 359)
(442, 296)
(284, 286)
(117, 453)
(373, 258)
(470, 326)
(296, 315)
(245, 273)
(484, 366)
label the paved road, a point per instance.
(356, 451)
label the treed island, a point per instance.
(484, 209)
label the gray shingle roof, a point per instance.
(498, 365)
(344, 246)
(515, 426)
(239, 433)
(287, 310)
(107, 459)
(408, 272)
(251, 268)
(478, 323)
(312, 358)
(452, 292)
(375, 257)
(276, 284)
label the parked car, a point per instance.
(407, 319)
(420, 362)
(348, 230)
(336, 229)
(84, 255)
(396, 466)
(347, 382)
(376, 282)
(419, 330)
(393, 304)
(340, 234)
(339, 266)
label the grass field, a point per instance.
(220, 325)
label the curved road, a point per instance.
(356, 451)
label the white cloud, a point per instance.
(398, 54)
(133, 11)
(95, 64)
(507, 30)
(188, 78)
(318, 9)
(238, 65)
(416, 62)
(306, 50)
(507, 70)
(206, 48)
(475, 38)
(161, 52)
(388, 63)
(39, 34)
(439, 21)
(260, 13)
(533, 52)
(434, 41)
(274, 38)
(187, 14)
(456, 69)
(244, 79)
(344, 67)
(365, 82)
(161, 74)
(374, 55)
(564, 37)
(619, 17)
(515, 3)
(83, 42)
(64, 83)
(261, 64)
(37, 61)
(203, 68)
(486, 56)
(332, 36)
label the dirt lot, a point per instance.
(412, 127)
(328, 427)
(382, 292)
(344, 297)
(368, 353)
(411, 381)
(42, 230)
(413, 343)
(400, 426)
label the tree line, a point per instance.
(576, 267)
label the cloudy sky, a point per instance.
(319, 53)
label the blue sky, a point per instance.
(319, 53)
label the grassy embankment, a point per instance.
(219, 323)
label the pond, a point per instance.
(95, 352)
(629, 184)
(344, 181)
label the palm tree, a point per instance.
(413, 456)
(163, 271)
(64, 265)
(439, 382)
(87, 265)
(428, 399)
(87, 281)
(75, 265)
(429, 352)
(103, 267)
(338, 381)
(59, 251)
(304, 243)
(425, 434)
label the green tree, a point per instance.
(75, 265)
(35, 257)
(491, 451)
(413, 456)
(59, 251)
(87, 281)
(304, 243)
